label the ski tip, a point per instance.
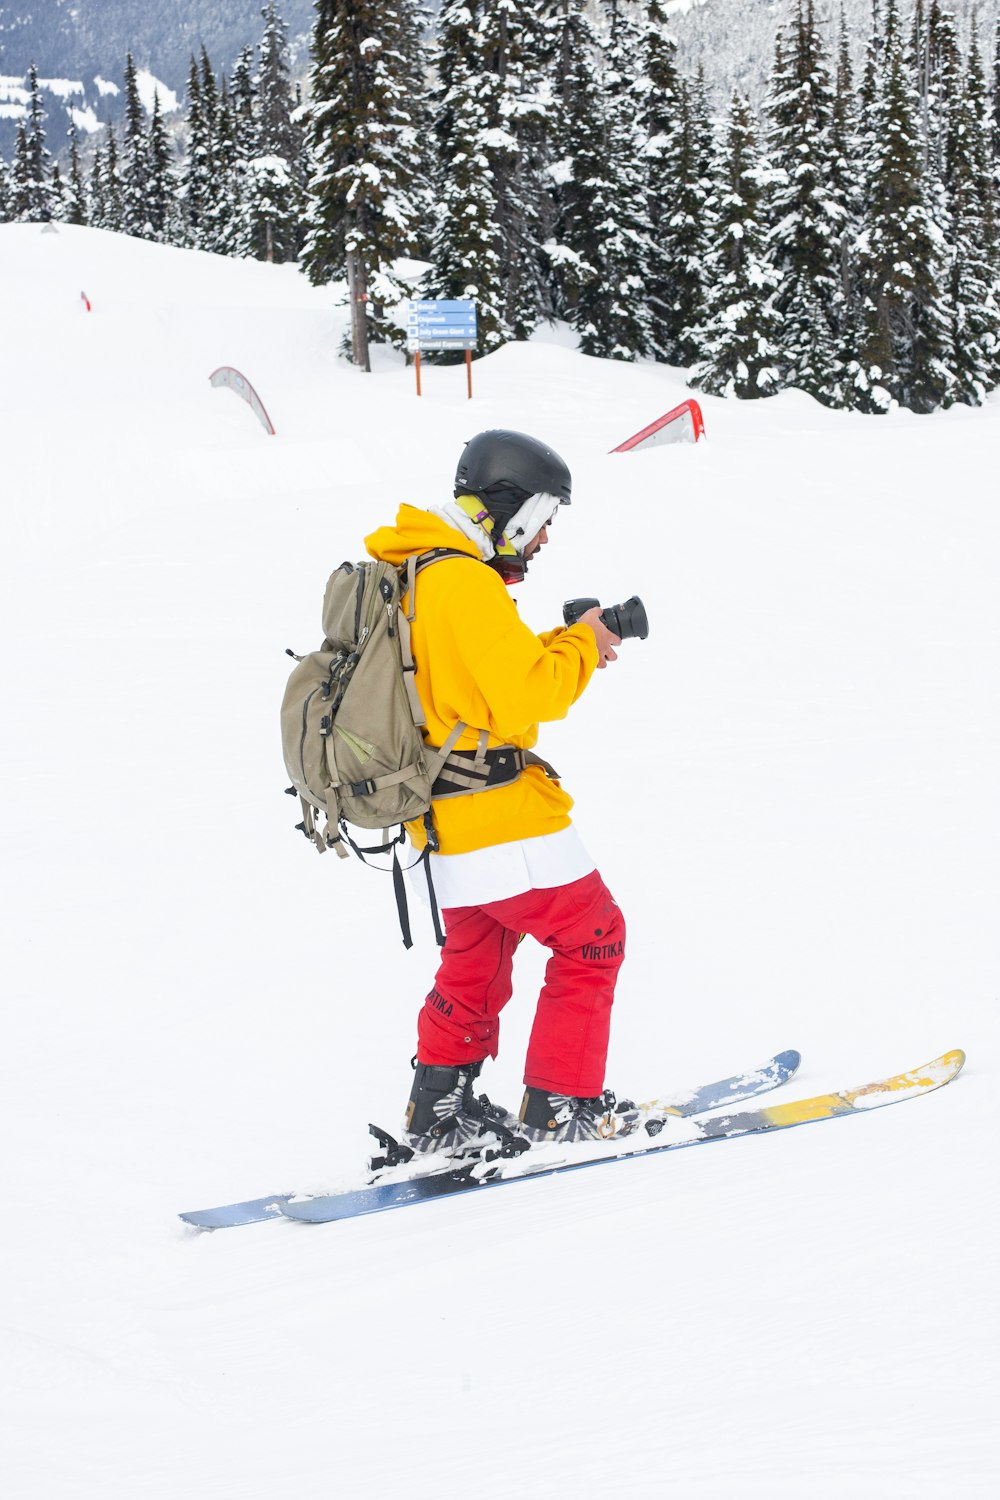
(789, 1061)
(230, 1215)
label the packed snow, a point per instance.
(791, 787)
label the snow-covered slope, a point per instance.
(803, 833)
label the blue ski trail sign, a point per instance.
(440, 323)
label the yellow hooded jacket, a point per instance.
(479, 664)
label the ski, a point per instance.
(547, 1161)
(708, 1096)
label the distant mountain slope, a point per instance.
(734, 39)
(80, 46)
(74, 38)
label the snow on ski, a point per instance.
(708, 1096)
(549, 1160)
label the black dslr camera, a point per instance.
(623, 620)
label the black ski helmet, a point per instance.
(502, 468)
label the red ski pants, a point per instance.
(567, 1051)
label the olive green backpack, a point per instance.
(351, 717)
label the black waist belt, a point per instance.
(468, 771)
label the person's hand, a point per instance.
(605, 638)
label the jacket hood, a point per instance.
(416, 531)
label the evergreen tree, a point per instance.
(601, 251)
(210, 94)
(682, 235)
(20, 176)
(612, 314)
(493, 125)
(242, 107)
(464, 247)
(273, 191)
(5, 192)
(973, 238)
(518, 101)
(161, 211)
(658, 113)
(243, 92)
(577, 135)
(741, 332)
(133, 163)
(363, 211)
(905, 339)
(808, 218)
(936, 60)
(75, 191)
(33, 161)
(199, 187)
(105, 186)
(847, 189)
(224, 217)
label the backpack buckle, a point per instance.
(362, 788)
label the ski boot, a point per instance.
(567, 1118)
(443, 1114)
(448, 1123)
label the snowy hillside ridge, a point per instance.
(797, 812)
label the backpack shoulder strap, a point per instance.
(414, 565)
(417, 562)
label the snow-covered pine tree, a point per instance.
(363, 210)
(198, 179)
(493, 124)
(224, 217)
(4, 192)
(74, 191)
(686, 163)
(658, 114)
(243, 93)
(464, 245)
(577, 135)
(273, 189)
(58, 195)
(105, 210)
(612, 315)
(808, 217)
(936, 62)
(511, 39)
(20, 175)
(740, 334)
(210, 92)
(906, 351)
(601, 246)
(848, 190)
(973, 237)
(32, 187)
(133, 162)
(242, 104)
(985, 161)
(161, 199)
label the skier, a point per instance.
(510, 861)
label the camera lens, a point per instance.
(627, 620)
